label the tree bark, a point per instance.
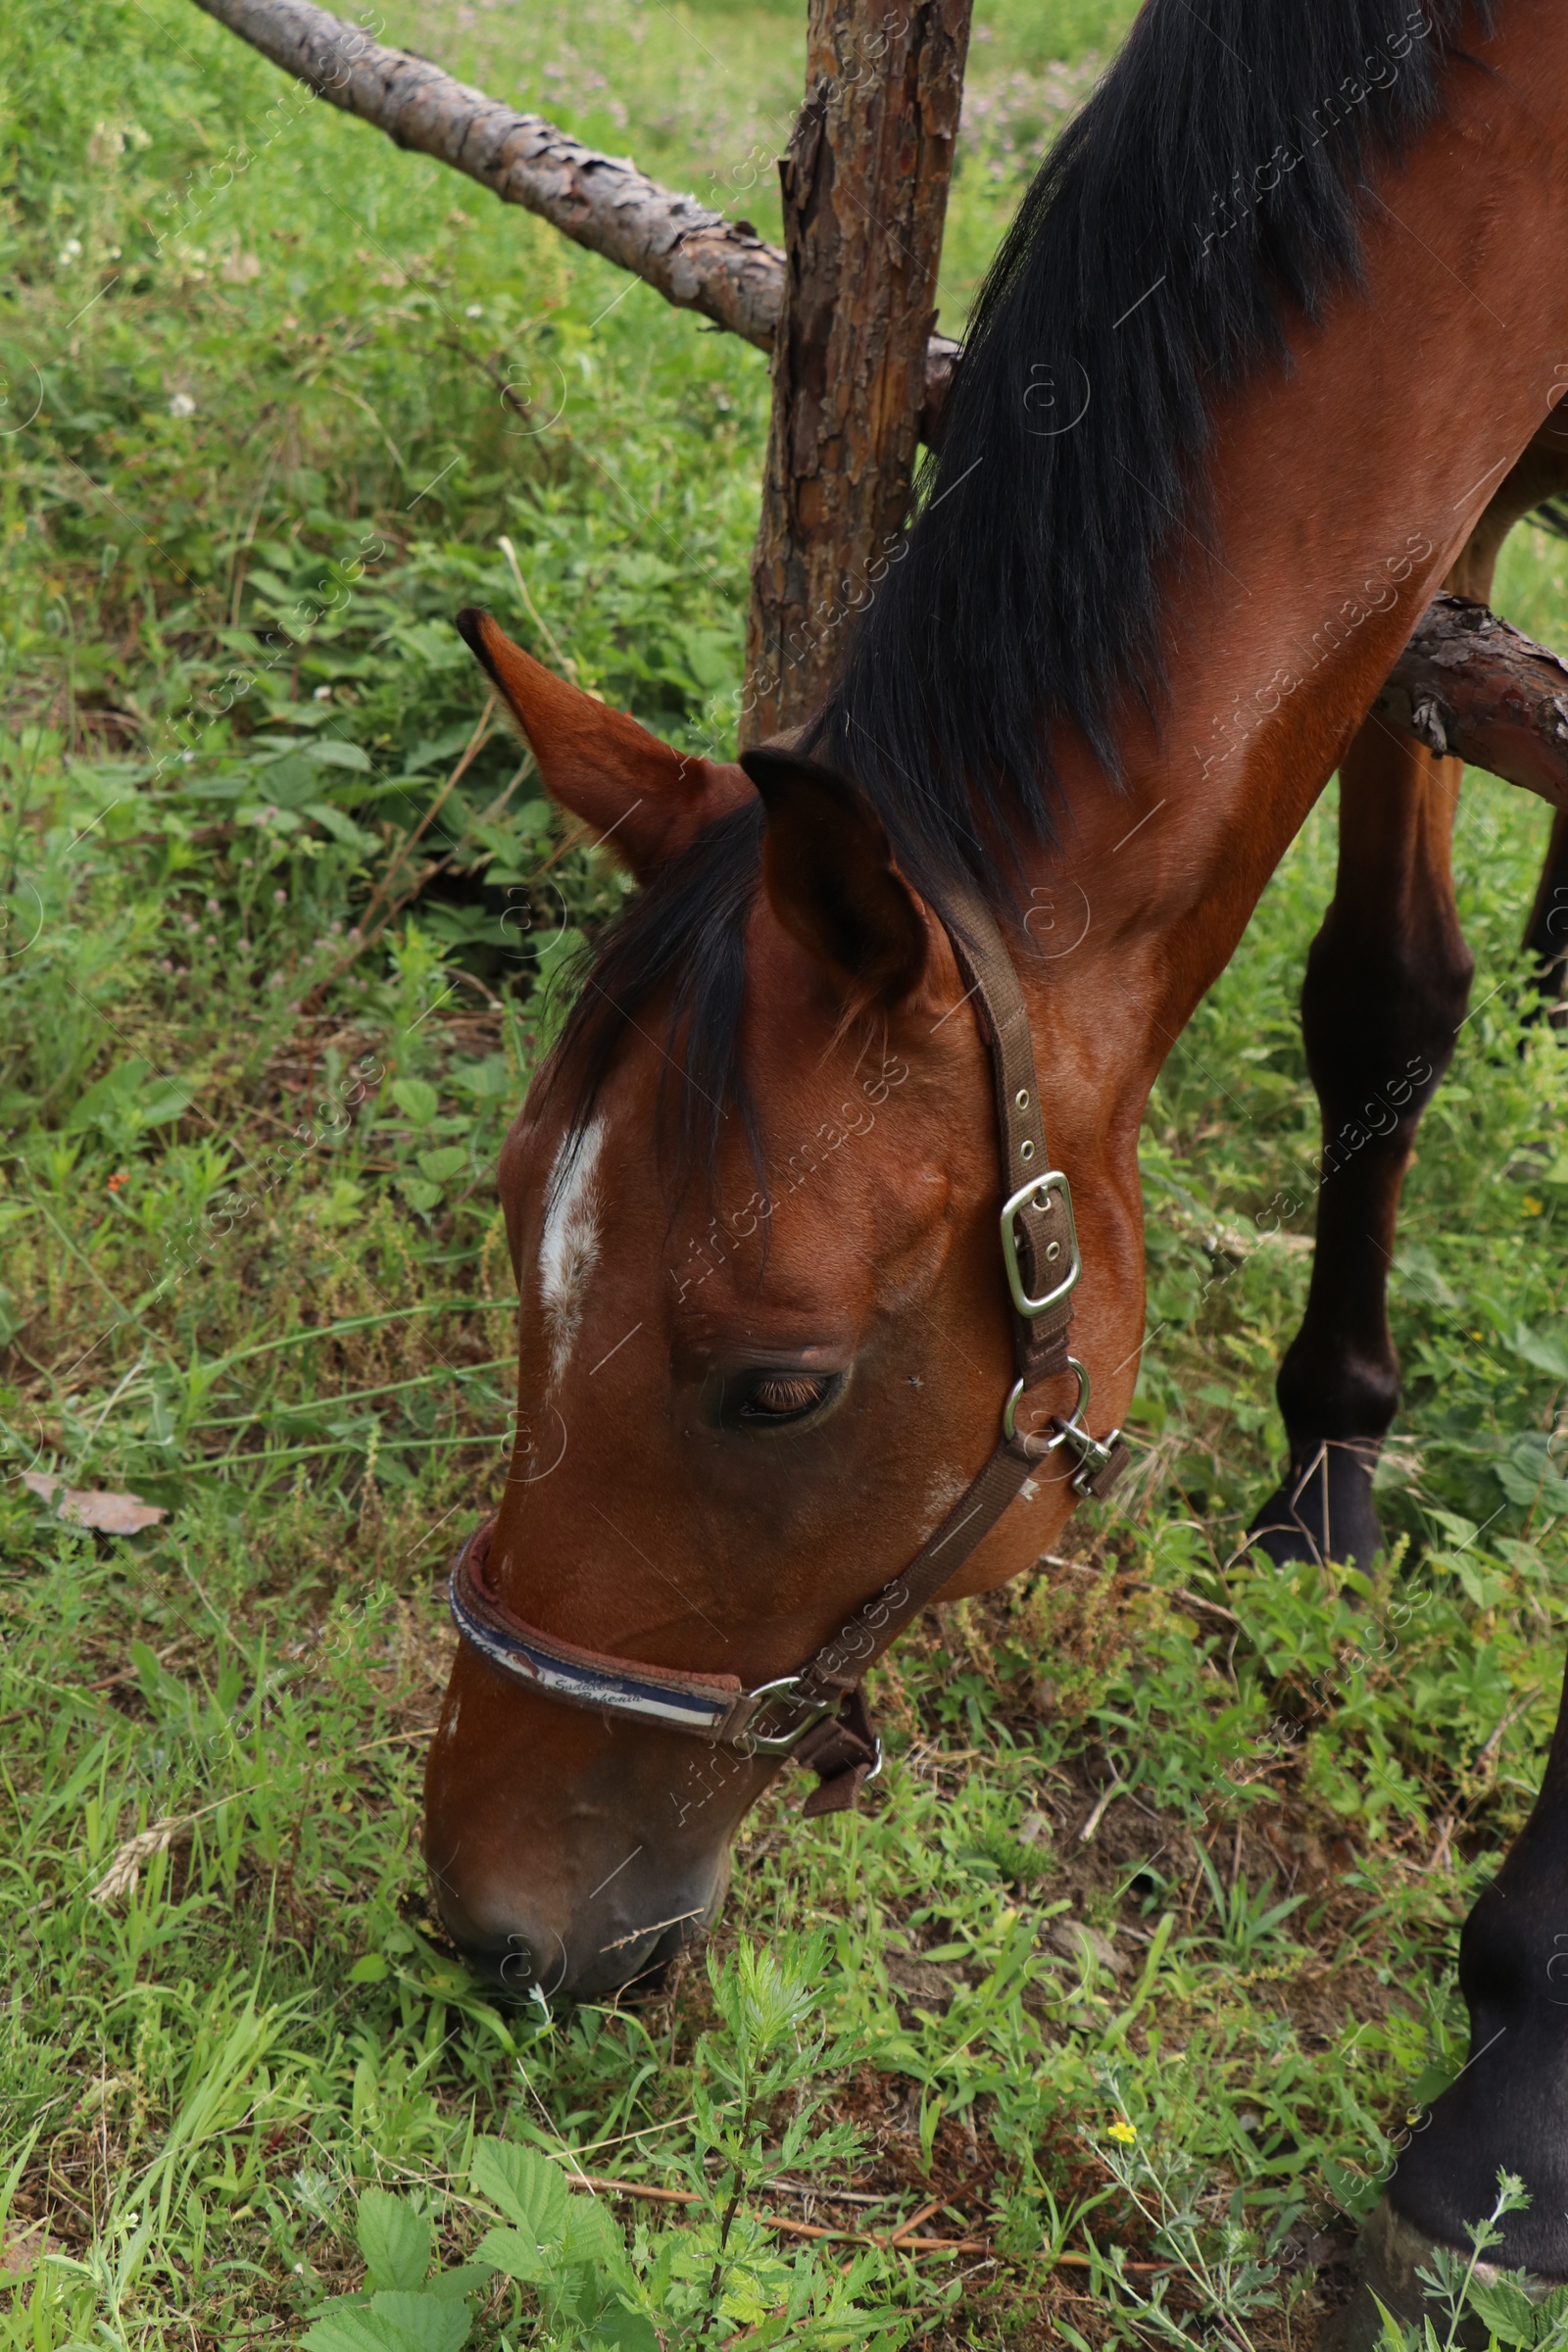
(1470, 685)
(694, 257)
(865, 190)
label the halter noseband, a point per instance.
(821, 1709)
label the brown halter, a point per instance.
(831, 1732)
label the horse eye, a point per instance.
(782, 1399)
(773, 1400)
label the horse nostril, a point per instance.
(517, 1969)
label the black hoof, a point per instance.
(1391, 2255)
(1322, 1510)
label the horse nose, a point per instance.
(514, 1961)
(605, 1949)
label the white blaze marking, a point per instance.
(569, 1250)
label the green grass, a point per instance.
(253, 1080)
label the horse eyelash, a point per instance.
(784, 1393)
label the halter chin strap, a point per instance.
(818, 1716)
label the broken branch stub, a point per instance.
(1470, 687)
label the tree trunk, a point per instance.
(866, 188)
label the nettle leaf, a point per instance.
(526, 2186)
(394, 2240)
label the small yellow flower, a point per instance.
(1530, 1206)
(1125, 2132)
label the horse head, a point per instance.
(752, 1203)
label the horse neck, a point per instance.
(1342, 487)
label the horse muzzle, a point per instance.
(621, 1938)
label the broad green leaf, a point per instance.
(466, 2280)
(342, 828)
(426, 2322)
(1507, 2310)
(392, 2323)
(416, 1100)
(526, 2186)
(1546, 1351)
(108, 1096)
(517, 2252)
(354, 2329)
(418, 1192)
(553, 948)
(591, 2235)
(625, 2330)
(440, 1165)
(287, 783)
(487, 1079)
(166, 1099)
(1353, 2192)
(331, 752)
(1532, 1474)
(394, 2240)
(369, 1970)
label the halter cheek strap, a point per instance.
(818, 1716)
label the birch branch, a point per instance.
(693, 257)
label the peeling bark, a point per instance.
(1470, 686)
(866, 188)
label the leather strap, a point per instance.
(1047, 1243)
(1039, 1248)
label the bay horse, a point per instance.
(1279, 314)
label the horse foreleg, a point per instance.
(1387, 982)
(1388, 979)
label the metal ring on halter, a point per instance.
(1066, 1428)
(787, 1691)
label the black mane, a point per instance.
(1157, 260)
(1151, 270)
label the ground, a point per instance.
(1119, 1992)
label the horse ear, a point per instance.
(830, 879)
(644, 799)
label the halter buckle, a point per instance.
(1036, 1193)
(786, 1692)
